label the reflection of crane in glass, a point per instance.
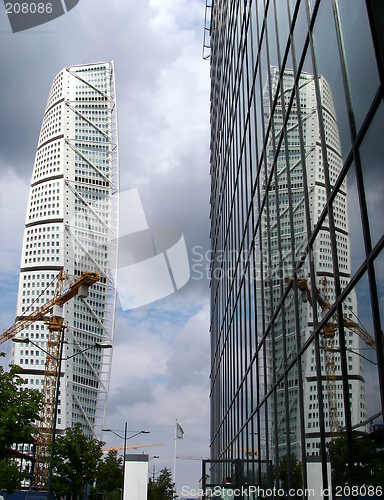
(66, 289)
(329, 330)
(131, 447)
(247, 451)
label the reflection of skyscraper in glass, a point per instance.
(293, 119)
(71, 224)
(285, 232)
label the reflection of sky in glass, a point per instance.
(372, 159)
(328, 65)
(360, 57)
(339, 96)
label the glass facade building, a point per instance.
(297, 273)
(71, 224)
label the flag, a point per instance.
(179, 432)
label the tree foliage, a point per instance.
(110, 473)
(368, 467)
(296, 472)
(75, 462)
(161, 488)
(10, 478)
(19, 408)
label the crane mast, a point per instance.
(328, 341)
(131, 446)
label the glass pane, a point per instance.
(300, 30)
(372, 160)
(358, 310)
(347, 223)
(355, 248)
(272, 37)
(329, 71)
(308, 66)
(379, 273)
(361, 61)
(282, 25)
(312, 4)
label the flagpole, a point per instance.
(174, 457)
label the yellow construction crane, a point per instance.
(66, 289)
(131, 446)
(328, 343)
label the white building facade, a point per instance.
(71, 224)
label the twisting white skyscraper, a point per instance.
(71, 224)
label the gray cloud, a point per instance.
(189, 362)
(131, 395)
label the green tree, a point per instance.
(110, 473)
(368, 467)
(161, 488)
(75, 462)
(10, 478)
(296, 472)
(19, 408)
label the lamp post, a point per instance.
(125, 442)
(26, 340)
(153, 473)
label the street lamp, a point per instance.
(26, 340)
(153, 473)
(125, 442)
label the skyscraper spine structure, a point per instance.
(71, 224)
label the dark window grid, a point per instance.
(326, 172)
(301, 7)
(229, 354)
(309, 250)
(366, 232)
(256, 431)
(347, 290)
(353, 132)
(297, 323)
(375, 15)
(240, 244)
(271, 294)
(291, 364)
(242, 160)
(243, 279)
(296, 305)
(264, 419)
(274, 174)
(365, 225)
(271, 392)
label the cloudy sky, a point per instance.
(161, 356)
